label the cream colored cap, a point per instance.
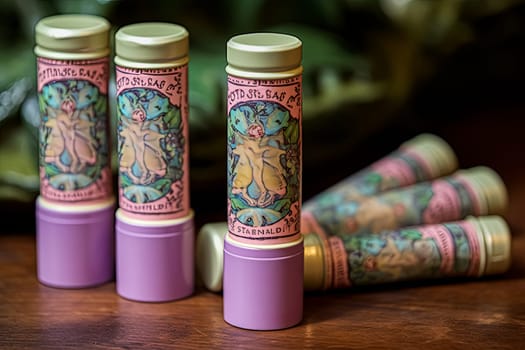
(72, 33)
(435, 151)
(313, 263)
(496, 234)
(209, 254)
(264, 52)
(490, 188)
(152, 42)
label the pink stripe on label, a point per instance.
(395, 172)
(286, 92)
(475, 248)
(445, 244)
(445, 204)
(171, 82)
(285, 230)
(339, 263)
(94, 71)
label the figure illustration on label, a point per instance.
(150, 147)
(430, 251)
(73, 145)
(263, 163)
(428, 202)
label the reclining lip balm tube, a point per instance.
(476, 191)
(473, 247)
(263, 251)
(154, 224)
(424, 157)
(466, 248)
(75, 210)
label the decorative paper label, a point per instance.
(393, 172)
(341, 278)
(398, 169)
(442, 203)
(428, 202)
(419, 163)
(73, 137)
(424, 252)
(264, 159)
(153, 141)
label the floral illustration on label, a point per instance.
(150, 151)
(73, 140)
(263, 165)
(430, 251)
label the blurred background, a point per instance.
(376, 73)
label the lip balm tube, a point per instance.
(75, 209)
(154, 224)
(473, 247)
(424, 157)
(263, 251)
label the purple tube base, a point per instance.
(155, 259)
(263, 288)
(75, 244)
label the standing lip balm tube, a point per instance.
(263, 251)
(154, 224)
(75, 209)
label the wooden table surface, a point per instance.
(451, 314)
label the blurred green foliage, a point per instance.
(363, 59)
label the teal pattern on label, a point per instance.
(73, 134)
(446, 250)
(150, 145)
(423, 203)
(263, 162)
